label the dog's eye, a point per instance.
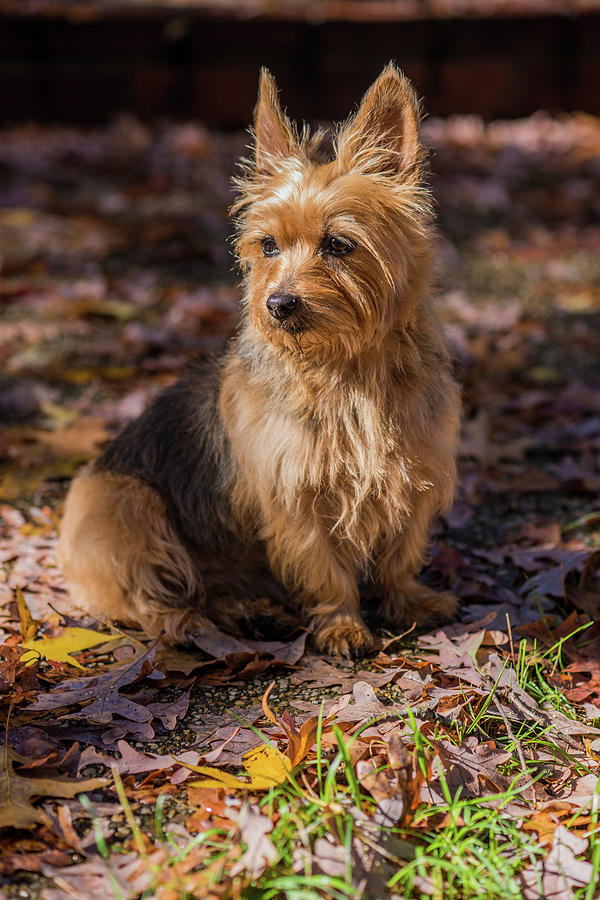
(269, 246)
(338, 246)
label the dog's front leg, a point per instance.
(308, 560)
(406, 601)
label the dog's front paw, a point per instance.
(343, 636)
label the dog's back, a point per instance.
(179, 447)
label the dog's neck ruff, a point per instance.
(339, 435)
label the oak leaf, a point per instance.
(17, 792)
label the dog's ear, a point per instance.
(273, 132)
(383, 135)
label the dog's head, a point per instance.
(334, 248)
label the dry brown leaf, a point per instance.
(330, 857)
(544, 822)
(397, 788)
(561, 873)
(17, 792)
(26, 622)
(260, 851)
(94, 878)
(81, 439)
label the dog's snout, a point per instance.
(282, 305)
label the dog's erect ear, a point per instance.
(274, 134)
(383, 136)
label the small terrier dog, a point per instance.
(314, 453)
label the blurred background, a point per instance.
(121, 122)
(80, 61)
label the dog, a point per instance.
(314, 452)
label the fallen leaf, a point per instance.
(59, 648)
(473, 766)
(330, 857)
(561, 873)
(383, 787)
(366, 705)
(265, 767)
(544, 822)
(299, 740)
(248, 658)
(17, 792)
(253, 829)
(315, 669)
(132, 762)
(93, 878)
(396, 788)
(102, 693)
(27, 625)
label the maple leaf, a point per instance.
(57, 648)
(60, 647)
(17, 792)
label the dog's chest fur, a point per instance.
(338, 445)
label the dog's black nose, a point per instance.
(282, 305)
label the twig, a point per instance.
(510, 638)
(544, 720)
(516, 744)
(538, 716)
(387, 643)
(373, 845)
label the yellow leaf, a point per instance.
(27, 624)
(265, 766)
(59, 649)
(110, 309)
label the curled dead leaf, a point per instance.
(299, 740)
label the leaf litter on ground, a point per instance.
(487, 728)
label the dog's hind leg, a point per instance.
(123, 560)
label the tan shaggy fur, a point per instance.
(337, 422)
